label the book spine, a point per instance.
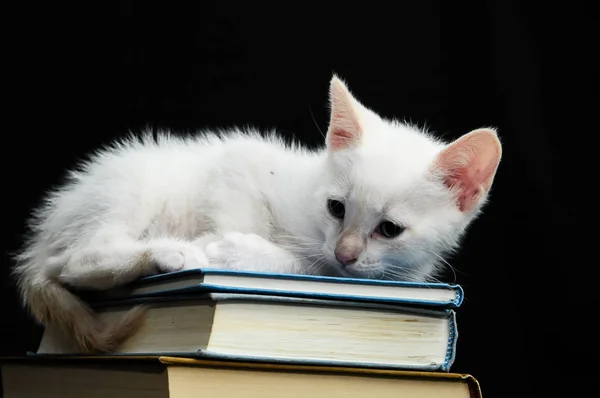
(452, 340)
(460, 295)
(474, 386)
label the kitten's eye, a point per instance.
(390, 230)
(336, 208)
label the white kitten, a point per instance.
(381, 200)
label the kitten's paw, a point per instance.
(174, 256)
(235, 247)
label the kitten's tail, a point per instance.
(54, 306)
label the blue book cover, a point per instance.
(203, 281)
(438, 357)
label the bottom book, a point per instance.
(172, 377)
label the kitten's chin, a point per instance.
(360, 273)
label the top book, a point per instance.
(201, 281)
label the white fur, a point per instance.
(242, 200)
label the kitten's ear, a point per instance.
(469, 166)
(345, 124)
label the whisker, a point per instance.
(315, 121)
(306, 251)
(382, 273)
(393, 274)
(315, 267)
(408, 274)
(453, 269)
(302, 238)
(299, 242)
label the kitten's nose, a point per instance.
(348, 248)
(345, 258)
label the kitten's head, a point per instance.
(394, 199)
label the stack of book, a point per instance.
(214, 333)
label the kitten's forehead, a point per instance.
(389, 171)
(378, 185)
(384, 167)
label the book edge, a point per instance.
(205, 362)
(330, 279)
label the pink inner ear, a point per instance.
(469, 165)
(340, 139)
(344, 126)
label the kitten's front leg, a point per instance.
(251, 252)
(103, 266)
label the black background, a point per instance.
(87, 76)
